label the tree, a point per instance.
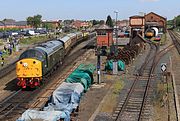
(37, 21)
(101, 22)
(47, 25)
(34, 21)
(177, 20)
(109, 21)
(95, 22)
(30, 21)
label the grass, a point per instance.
(111, 100)
(162, 89)
(177, 29)
(1, 43)
(163, 39)
(35, 39)
(118, 86)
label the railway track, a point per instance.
(176, 39)
(13, 106)
(134, 105)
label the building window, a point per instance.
(101, 33)
(151, 17)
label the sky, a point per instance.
(86, 9)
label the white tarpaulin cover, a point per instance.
(64, 99)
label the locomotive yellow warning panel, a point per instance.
(29, 68)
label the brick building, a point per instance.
(123, 23)
(104, 36)
(153, 19)
(137, 24)
(55, 23)
(80, 24)
(14, 24)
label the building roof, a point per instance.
(137, 39)
(21, 23)
(9, 23)
(1, 24)
(156, 15)
(18, 23)
(104, 26)
(136, 16)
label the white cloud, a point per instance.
(149, 0)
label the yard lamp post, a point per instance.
(115, 69)
(116, 30)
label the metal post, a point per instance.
(116, 45)
(115, 67)
(98, 66)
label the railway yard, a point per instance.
(96, 75)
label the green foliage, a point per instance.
(119, 84)
(1, 43)
(48, 25)
(101, 22)
(30, 21)
(109, 21)
(95, 22)
(34, 21)
(170, 22)
(9, 29)
(177, 20)
(34, 39)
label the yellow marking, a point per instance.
(26, 68)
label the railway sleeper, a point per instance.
(135, 99)
(132, 110)
(133, 106)
(5, 107)
(115, 115)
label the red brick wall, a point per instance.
(154, 18)
(105, 40)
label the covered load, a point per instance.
(30, 115)
(109, 65)
(83, 74)
(65, 99)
